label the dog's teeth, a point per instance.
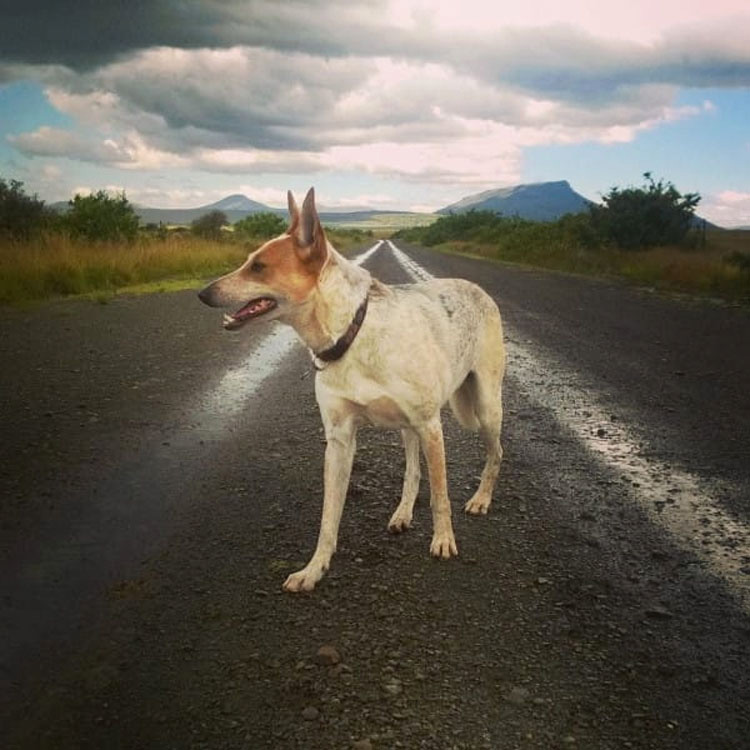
(228, 318)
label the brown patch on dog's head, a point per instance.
(292, 262)
(278, 265)
(283, 272)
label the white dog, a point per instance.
(388, 355)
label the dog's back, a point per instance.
(432, 335)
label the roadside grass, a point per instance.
(721, 269)
(55, 265)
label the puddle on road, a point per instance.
(673, 499)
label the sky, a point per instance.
(389, 104)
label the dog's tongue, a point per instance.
(254, 307)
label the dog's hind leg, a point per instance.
(443, 541)
(401, 518)
(340, 447)
(489, 411)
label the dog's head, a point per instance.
(278, 275)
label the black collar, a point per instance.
(339, 349)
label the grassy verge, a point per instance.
(55, 265)
(720, 269)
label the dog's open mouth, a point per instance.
(253, 309)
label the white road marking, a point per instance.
(672, 498)
(239, 383)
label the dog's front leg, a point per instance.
(340, 446)
(401, 518)
(443, 542)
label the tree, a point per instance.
(209, 225)
(102, 217)
(20, 215)
(262, 225)
(654, 214)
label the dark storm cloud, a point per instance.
(88, 33)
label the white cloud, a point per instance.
(258, 112)
(727, 208)
(443, 93)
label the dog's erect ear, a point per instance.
(293, 212)
(311, 240)
(309, 221)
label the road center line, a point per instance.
(672, 498)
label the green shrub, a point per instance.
(209, 225)
(101, 217)
(652, 215)
(21, 215)
(262, 225)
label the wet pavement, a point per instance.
(162, 478)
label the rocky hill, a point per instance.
(539, 201)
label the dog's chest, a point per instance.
(382, 412)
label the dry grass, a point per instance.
(704, 272)
(709, 271)
(56, 265)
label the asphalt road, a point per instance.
(160, 478)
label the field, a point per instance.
(386, 223)
(54, 265)
(718, 268)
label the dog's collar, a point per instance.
(339, 349)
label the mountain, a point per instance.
(235, 206)
(238, 202)
(238, 206)
(539, 201)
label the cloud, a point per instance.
(387, 87)
(128, 152)
(728, 208)
(88, 33)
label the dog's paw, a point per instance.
(399, 522)
(303, 580)
(478, 506)
(443, 546)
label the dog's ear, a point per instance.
(312, 247)
(293, 212)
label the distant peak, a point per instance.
(235, 202)
(541, 201)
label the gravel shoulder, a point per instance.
(568, 620)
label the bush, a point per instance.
(739, 260)
(263, 225)
(652, 215)
(510, 234)
(100, 217)
(21, 215)
(209, 225)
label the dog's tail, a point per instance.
(464, 403)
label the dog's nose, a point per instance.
(205, 295)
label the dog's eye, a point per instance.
(256, 266)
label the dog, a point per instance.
(391, 356)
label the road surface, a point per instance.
(162, 477)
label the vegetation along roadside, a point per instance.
(98, 247)
(648, 235)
